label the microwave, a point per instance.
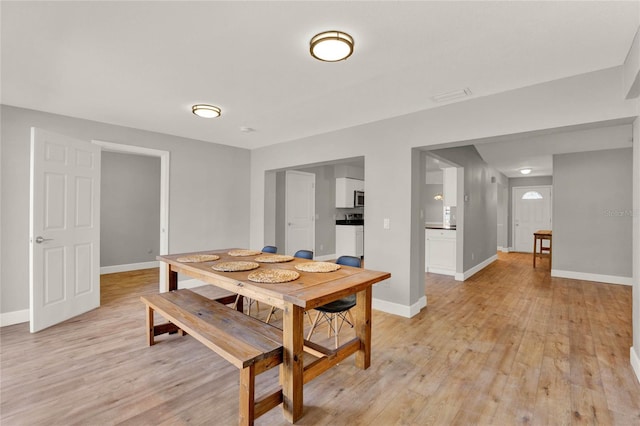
(358, 198)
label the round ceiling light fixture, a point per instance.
(206, 111)
(525, 171)
(331, 46)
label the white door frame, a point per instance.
(513, 209)
(164, 195)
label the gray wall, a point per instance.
(480, 214)
(518, 182)
(387, 147)
(129, 209)
(432, 208)
(592, 204)
(205, 210)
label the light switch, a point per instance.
(386, 223)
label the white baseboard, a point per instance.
(398, 309)
(441, 271)
(504, 249)
(479, 267)
(325, 257)
(128, 267)
(15, 317)
(635, 363)
(609, 279)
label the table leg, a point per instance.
(535, 244)
(292, 367)
(363, 327)
(172, 278)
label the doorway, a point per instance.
(164, 195)
(531, 212)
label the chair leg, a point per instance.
(336, 330)
(271, 312)
(351, 321)
(313, 325)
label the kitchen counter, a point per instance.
(451, 228)
(350, 222)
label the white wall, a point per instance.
(208, 203)
(386, 146)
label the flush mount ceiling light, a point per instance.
(438, 197)
(206, 111)
(525, 171)
(331, 46)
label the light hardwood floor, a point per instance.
(509, 346)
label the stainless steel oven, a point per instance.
(358, 198)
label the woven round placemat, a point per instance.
(273, 276)
(274, 258)
(318, 267)
(235, 266)
(198, 258)
(244, 252)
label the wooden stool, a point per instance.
(541, 236)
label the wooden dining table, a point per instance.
(310, 290)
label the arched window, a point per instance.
(532, 195)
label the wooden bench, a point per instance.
(250, 344)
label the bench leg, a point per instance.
(247, 395)
(150, 331)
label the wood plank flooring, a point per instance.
(509, 346)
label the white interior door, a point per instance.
(64, 258)
(531, 212)
(300, 200)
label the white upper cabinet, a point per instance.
(450, 186)
(345, 188)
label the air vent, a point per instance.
(451, 96)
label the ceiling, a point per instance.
(143, 64)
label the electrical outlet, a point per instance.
(473, 256)
(321, 247)
(386, 224)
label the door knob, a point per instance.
(41, 240)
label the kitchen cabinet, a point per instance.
(440, 251)
(450, 186)
(345, 188)
(350, 240)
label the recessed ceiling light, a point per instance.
(245, 129)
(206, 111)
(331, 46)
(525, 171)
